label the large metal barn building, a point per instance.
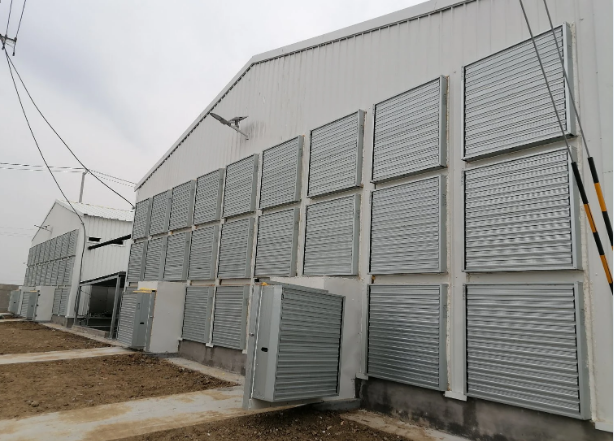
(414, 165)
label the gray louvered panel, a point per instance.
(182, 205)
(407, 334)
(336, 155)
(276, 249)
(208, 197)
(523, 347)
(61, 271)
(518, 215)
(29, 260)
(236, 249)
(153, 259)
(197, 313)
(507, 104)
(135, 262)
(45, 253)
(125, 328)
(331, 237)
(140, 226)
(410, 132)
(57, 247)
(203, 253)
(161, 207)
(176, 257)
(57, 296)
(26, 279)
(63, 311)
(36, 254)
(407, 229)
(65, 244)
(230, 314)
(14, 302)
(240, 186)
(68, 274)
(281, 177)
(72, 242)
(25, 301)
(48, 273)
(309, 345)
(55, 267)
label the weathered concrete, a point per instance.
(474, 419)
(121, 420)
(5, 294)
(208, 370)
(228, 359)
(90, 331)
(77, 331)
(67, 322)
(36, 357)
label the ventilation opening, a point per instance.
(94, 239)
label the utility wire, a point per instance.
(39, 170)
(23, 8)
(590, 159)
(30, 165)
(60, 138)
(575, 168)
(114, 177)
(7, 25)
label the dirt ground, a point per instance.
(299, 424)
(33, 388)
(24, 337)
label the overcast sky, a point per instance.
(121, 80)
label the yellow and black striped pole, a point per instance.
(605, 213)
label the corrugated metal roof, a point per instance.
(98, 211)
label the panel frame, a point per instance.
(244, 314)
(250, 249)
(185, 265)
(294, 245)
(255, 185)
(221, 181)
(209, 327)
(167, 215)
(297, 195)
(191, 201)
(148, 217)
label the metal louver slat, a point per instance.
(64, 302)
(281, 177)
(236, 249)
(25, 301)
(203, 253)
(65, 244)
(45, 256)
(408, 228)
(182, 205)
(336, 155)
(161, 207)
(240, 186)
(526, 347)
(61, 271)
(55, 268)
(48, 273)
(276, 245)
(154, 256)
(52, 248)
(407, 334)
(176, 258)
(332, 237)
(136, 262)
(519, 215)
(140, 226)
(197, 313)
(410, 132)
(72, 242)
(230, 314)
(208, 197)
(68, 274)
(125, 328)
(506, 102)
(57, 296)
(57, 248)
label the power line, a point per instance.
(23, 8)
(58, 135)
(39, 170)
(114, 177)
(30, 165)
(7, 25)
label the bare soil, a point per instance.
(25, 337)
(33, 388)
(298, 424)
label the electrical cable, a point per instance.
(39, 170)
(575, 168)
(23, 8)
(60, 138)
(7, 25)
(117, 182)
(114, 177)
(590, 159)
(30, 165)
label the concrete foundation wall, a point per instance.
(228, 359)
(64, 321)
(474, 419)
(5, 294)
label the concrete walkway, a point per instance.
(34, 357)
(114, 421)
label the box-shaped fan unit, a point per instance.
(298, 341)
(135, 317)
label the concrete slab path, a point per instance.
(207, 370)
(35, 357)
(115, 421)
(12, 320)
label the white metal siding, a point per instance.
(159, 221)
(240, 186)
(154, 258)
(281, 177)
(182, 206)
(331, 237)
(276, 249)
(230, 315)
(236, 249)
(176, 256)
(135, 262)
(208, 197)
(336, 153)
(197, 313)
(203, 253)
(140, 226)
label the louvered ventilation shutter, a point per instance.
(25, 300)
(331, 237)
(236, 249)
(507, 104)
(72, 242)
(48, 273)
(203, 253)
(276, 249)
(159, 220)
(407, 229)
(230, 314)
(61, 271)
(240, 187)
(54, 272)
(175, 263)
(153, 258)
(135, 262)
(64, 301)
(410, 132)
(526, 347)
(57, 252)
(208, 197)
(126, 322)
(197, 313)
(52, 248)
(281, 178)
(57, 296)
(336, 154)
(140, 226)
(65, 244)
(45, 251)
(407, 334)
(518, 215)
(182, 206)
(68, 274)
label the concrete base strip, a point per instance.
(207, 370)
(82, 334)
(12, 320)
(398, 428)
(36, 357)
(115, 421)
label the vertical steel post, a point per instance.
(116, 300)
